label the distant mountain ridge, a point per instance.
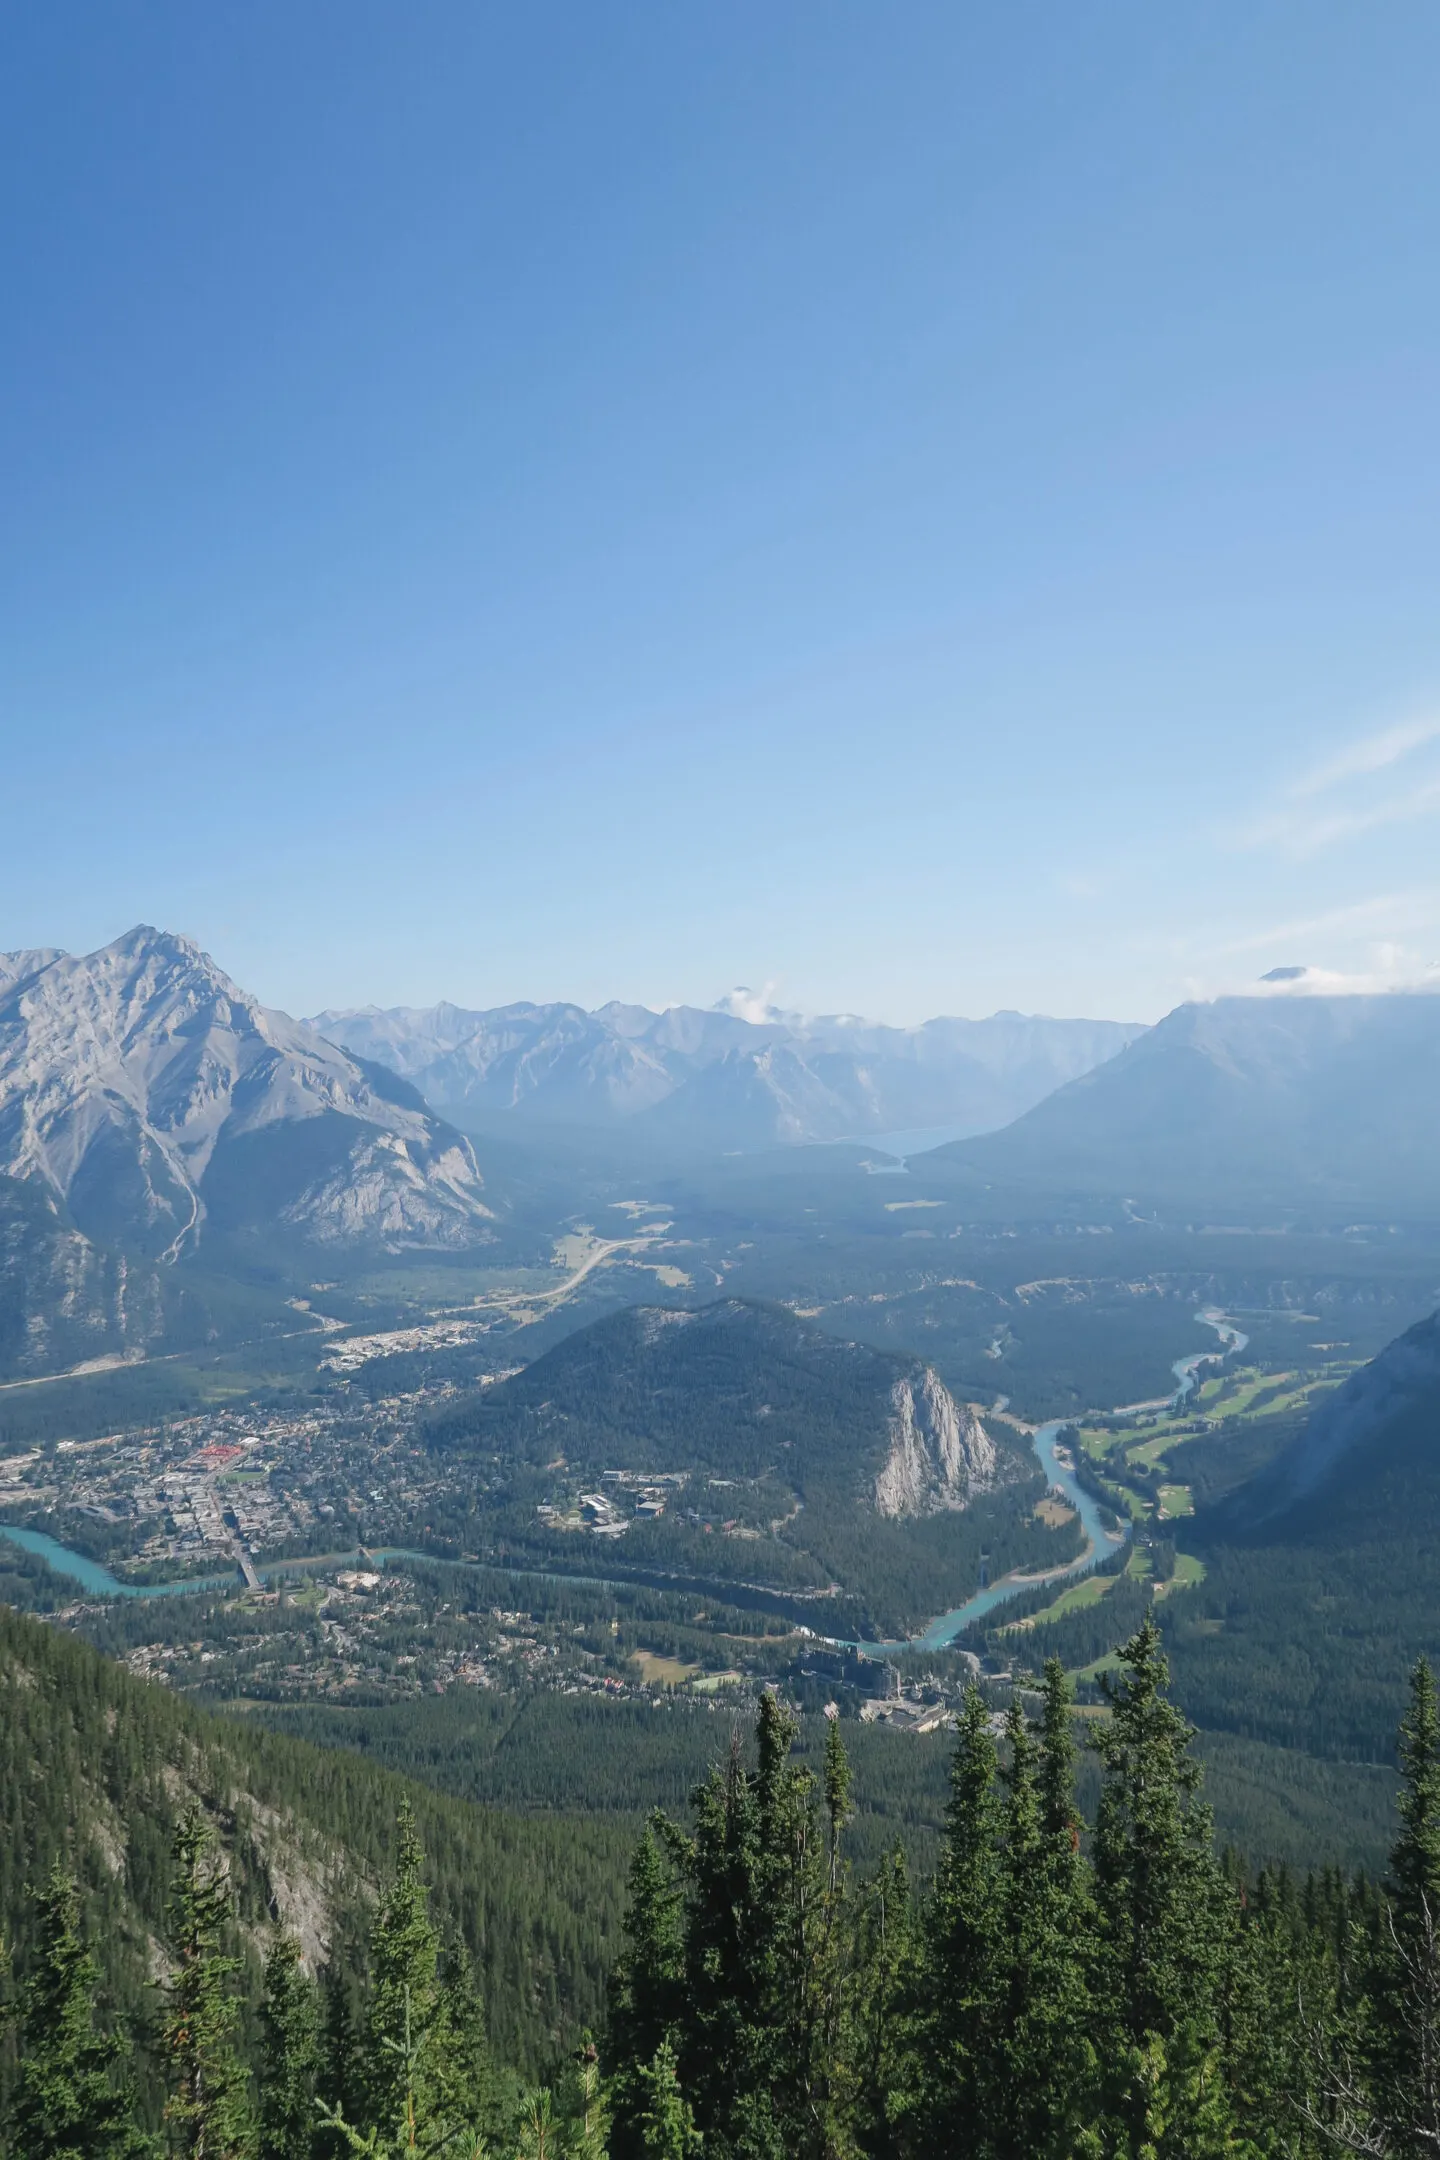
(1276, 1101)
(737, 1075)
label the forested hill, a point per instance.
(1371, 1449)
(1321, 1579)
(738, 1389)
(97, 1767)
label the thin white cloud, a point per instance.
(1306, 832)
(1355, 790)
(1370, 754)
(1383, 912)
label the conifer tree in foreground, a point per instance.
(420, 2058)
(1410, 2003)
(1395, 2108)
(1163, 1937)
(667, 2127)
(646, 1992)
(729, 2006)
(1041, 2083)
(961, 1976)
(884, 2062)
(71, 2102)
(290, 2056)
(207, 2114)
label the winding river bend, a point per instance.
(1060, 1472)
(99, 1582)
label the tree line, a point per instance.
(1067, 1991)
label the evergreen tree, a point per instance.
(667, 2127)
(587, 2140)
(340, 2085)
(1415, 1860)
(1038, 2088)
(541, 2134)
(413, 2131)
(725, 2050)
(289, 2058)
(465, 2076)
(888, 1987)
(423, 2067)
(743, 1974)
(1163, 1939)
(71, 2101)
(831, 1981)
(786, 1931)
(207, 2113)
(404, 1988)
(1406, 2047)
(646, 1986)
(961, 1978)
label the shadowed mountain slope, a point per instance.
(1284, 1101)
(741, 1391)
(1324, 1568)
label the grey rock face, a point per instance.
(940, 1455)
(148, 1095)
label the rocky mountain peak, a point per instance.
(150, 1094)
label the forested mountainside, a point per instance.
(738, 1390)
(1321, 1577)
(1107, 1990)
(785, 1456)
(97, 1768)
(737, 1076)
(1254, 1103)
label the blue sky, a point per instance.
(928, 507)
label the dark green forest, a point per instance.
(227, 1946)
(750, 1395)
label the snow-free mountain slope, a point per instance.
(1320, 1590)
(720, 1078)
(151, 1098)
(1269, 1101)
(740, 1390)
(1376, 1436)
(16, 967)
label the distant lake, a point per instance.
(916, 1140)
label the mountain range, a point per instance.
(740, 1075)
(1262, 1101)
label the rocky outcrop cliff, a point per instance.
(940, 1455)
